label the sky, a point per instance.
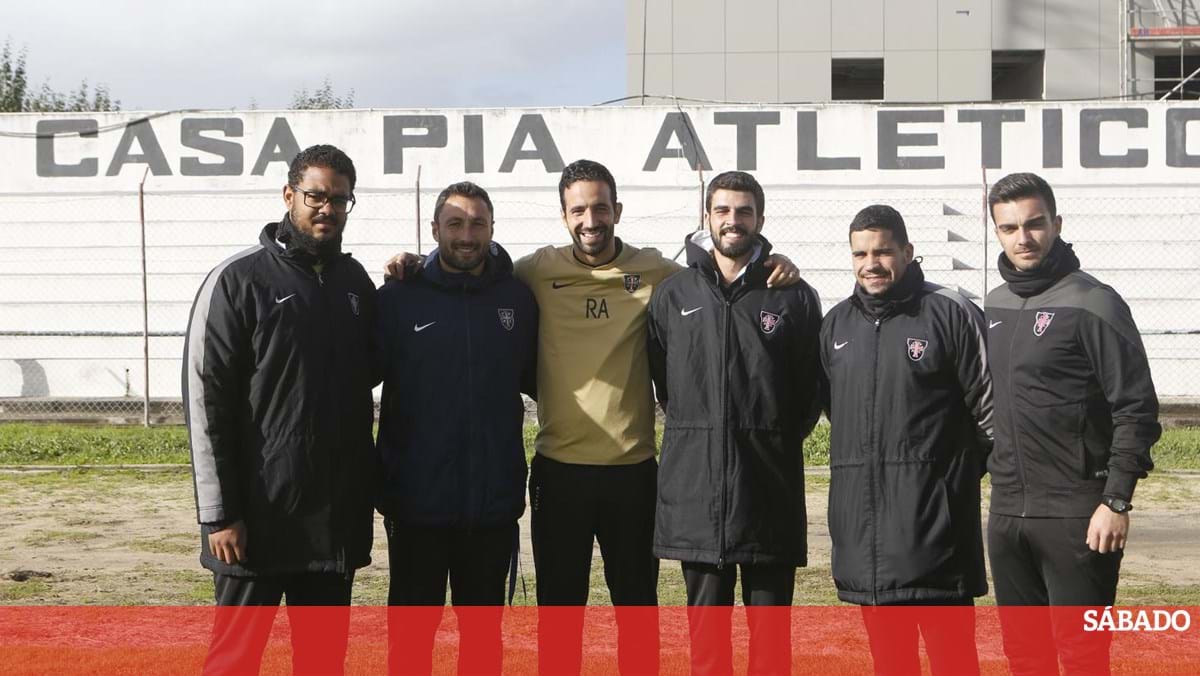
(223, 54)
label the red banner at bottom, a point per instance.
(595, 640)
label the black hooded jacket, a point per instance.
(1076, 410)
(277, 383)
(737, 370)
(909, 398)
(456, 351)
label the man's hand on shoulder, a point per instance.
(783, 272)
(1108, 530)
(229, 543)
(398, 264)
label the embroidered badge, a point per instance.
(916, 348)
(633, 282)
(768, 321)
(353, 302)
(1042, 322)
(507, 318)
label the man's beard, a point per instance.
(463, 261)
(734, 250)
(323, 249)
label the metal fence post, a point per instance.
(145, 304)
(417, 200)
(984, 232)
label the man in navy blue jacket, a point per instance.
(458, 345)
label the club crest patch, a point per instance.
(768, 321)
(1042, 322)
(633, 283)
(916, 348)
(507, 318)
(353, 302)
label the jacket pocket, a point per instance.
(1050, 441)
(686, 472)
(916, 530)
(688, 504)
(851, 524)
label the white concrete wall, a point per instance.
(69, 260)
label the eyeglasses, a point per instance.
(315, 200)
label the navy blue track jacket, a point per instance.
(456, 352)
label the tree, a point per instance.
(321, 99)
(13, 82)
(16, 97)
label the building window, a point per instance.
(1171, 67)
(857, 79)
(1018, 75)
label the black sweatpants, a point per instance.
(1046, 562)
(710, 616)
(246, 612)
(895, 633)
(572, 506)
(476, 561)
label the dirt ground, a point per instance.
(112, 537)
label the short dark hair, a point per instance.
(881, 217)
(1019, 186)
(584, 170)
(321, 156)
(465, 189)
(738, 181)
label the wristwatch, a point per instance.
(1116, 504)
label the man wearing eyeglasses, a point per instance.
(277, 379)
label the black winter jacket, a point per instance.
(909, 400)
(456, 350)
(1076, 411)
(277, 384)
(737, 371)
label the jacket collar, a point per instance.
(699, 248)
(897, 299)
(269, 239)
(497, 267)
(1059, 262)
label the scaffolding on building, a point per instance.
(1153, 28)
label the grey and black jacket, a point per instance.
(737, 370)
(277, 384)
(1076, 411)
(909, 399)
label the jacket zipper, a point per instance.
(724, 431)
(475, 509)
(877, 459)
(1012, 418)
(338, 545)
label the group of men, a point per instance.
(287, 339)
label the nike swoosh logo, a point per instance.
(418, 328)
(280, 300)
(838, 346)
(556, 285)
(688, 312)
(992, 325)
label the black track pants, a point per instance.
(710, 615)
(246, 613)
(1046, 562)
(895, 633)
(572, 505)
(476, 562)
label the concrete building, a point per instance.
(781, 51)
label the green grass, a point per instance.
(49, 444)
(32, 588)
(1179, 448)
(52, 444)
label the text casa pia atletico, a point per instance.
(828, 140)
